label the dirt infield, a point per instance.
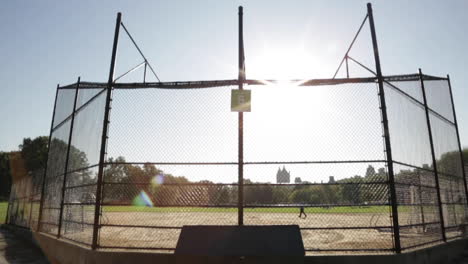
(145, 237)
(328, 231)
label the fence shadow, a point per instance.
(18, 250)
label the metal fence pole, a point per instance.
(144, 72)
(434, 160)
(97, 209)
(7, 215)
(421, 206)
(67, 160)
(24, 199)
(241, 77)
(44, 180)
(8, 210)
(388, 147)
(31, 196)
(458, 139)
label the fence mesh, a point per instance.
(25, 194)
(181, 165)
(313, 156)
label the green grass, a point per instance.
(3, 211)
(321, 210)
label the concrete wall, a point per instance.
(64, 252)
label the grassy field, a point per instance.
(321, 210)
(3, 211)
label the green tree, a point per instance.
(280, 194)
(370, 193)
(225, 196)
(5, 176)
(167, 189)
(77, 161)
(300, 196)
(450, 163)
(264, 194)
(315, 194)
(116, 177)
(330, 194)
(34, 152)
(116, 172)
(34, 155)
(351, 190)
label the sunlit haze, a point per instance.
(53, 42)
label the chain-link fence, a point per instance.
(70, 183)
(313, 156)
(359, 164)
(430, 184)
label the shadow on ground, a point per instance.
(16, 250)
(463, 259)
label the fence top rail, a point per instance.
(234, 82)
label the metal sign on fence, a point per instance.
(240, 100)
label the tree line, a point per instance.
(126, 181)
(28, 161)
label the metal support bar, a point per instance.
(232, 82)
(220, 83)
(434, 159)
(17, 209)
(362, 65)
(25, 203)
(388, 146)
(347, 67)
(421, 206)
(7, 214)
(102, 156)
(458, 138)
(454, 213)
(132, 70)
(248, 163)
(44, 180)
(82, 106)
(350, 46)
(144, 72)
(31, 198)
(67, 160)
(241, 79)
(139, 50)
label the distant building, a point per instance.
(283, 176)
(331, 179)
(297, 180)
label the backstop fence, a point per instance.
(172, 160)
(360, 164)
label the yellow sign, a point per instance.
(240, 100)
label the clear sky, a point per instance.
(49, 42)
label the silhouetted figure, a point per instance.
(302, 212)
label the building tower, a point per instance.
(283, 176)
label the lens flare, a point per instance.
(142, 199)
(157, 180)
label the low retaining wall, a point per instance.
(65, 252)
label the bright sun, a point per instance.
(284, 64)
(282, 70)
